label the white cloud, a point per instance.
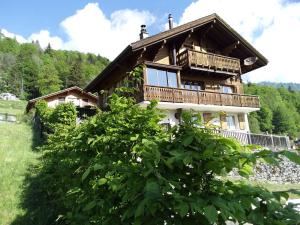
(45, 38)
(89, 30)
(19, 38)
(272, 26)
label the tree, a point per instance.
(254, 123)
(48, 80)
(48, 49)
(265, 117)
(76, 76)
(27, 68)
(283, 121)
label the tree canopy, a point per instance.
(279, 113)
(28, 71)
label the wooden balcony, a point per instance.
(209, 62)
(177, 95)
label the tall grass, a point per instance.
(16, 156)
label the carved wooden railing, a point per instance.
(177, 95)
(193, 58)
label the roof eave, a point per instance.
(91, 86)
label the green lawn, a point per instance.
(16, 156)
(280, 187)
(12, 107)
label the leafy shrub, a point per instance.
(62, 115)
(121, 167)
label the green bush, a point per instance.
(62, 115)
(121, 167)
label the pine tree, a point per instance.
(48, 79)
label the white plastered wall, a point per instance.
(77, 100)
(170, 118)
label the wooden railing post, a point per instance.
(221, 100)
(173, 95)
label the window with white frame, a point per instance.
(226, 89)
(231, 124)
(192, 85)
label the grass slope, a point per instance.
(16, 156)
(12, 107)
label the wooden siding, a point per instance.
(177, 95)
(192, 58)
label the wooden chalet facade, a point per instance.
(198, 65)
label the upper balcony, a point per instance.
(209, 62)
(179, 95)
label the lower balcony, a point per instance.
(177, 95)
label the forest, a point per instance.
(279, 113)
(29, 71)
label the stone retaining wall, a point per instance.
(286, 172)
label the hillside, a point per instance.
(29, 71)
(290, 86)
(16, 156)
(280, 110)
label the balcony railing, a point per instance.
(209, 61)
(274, 142)
(177, 95)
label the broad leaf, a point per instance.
(210, 213)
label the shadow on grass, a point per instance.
(38, 206)
(36, 201)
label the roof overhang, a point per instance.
(221, 26)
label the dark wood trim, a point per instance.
(162, 66)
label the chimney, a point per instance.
(144, 33)
(174, 54)
(170, 18)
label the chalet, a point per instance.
(198, 65)
(81, 99)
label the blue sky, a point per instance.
(106, 27)
(28, 16)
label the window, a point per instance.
(162, 78)
(230, 122)
(192, 85)
(226, 89)
(61, 100)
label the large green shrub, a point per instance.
(121, 167)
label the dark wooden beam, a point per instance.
(230, 48)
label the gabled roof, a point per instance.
(31, 102)
(173, 33)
